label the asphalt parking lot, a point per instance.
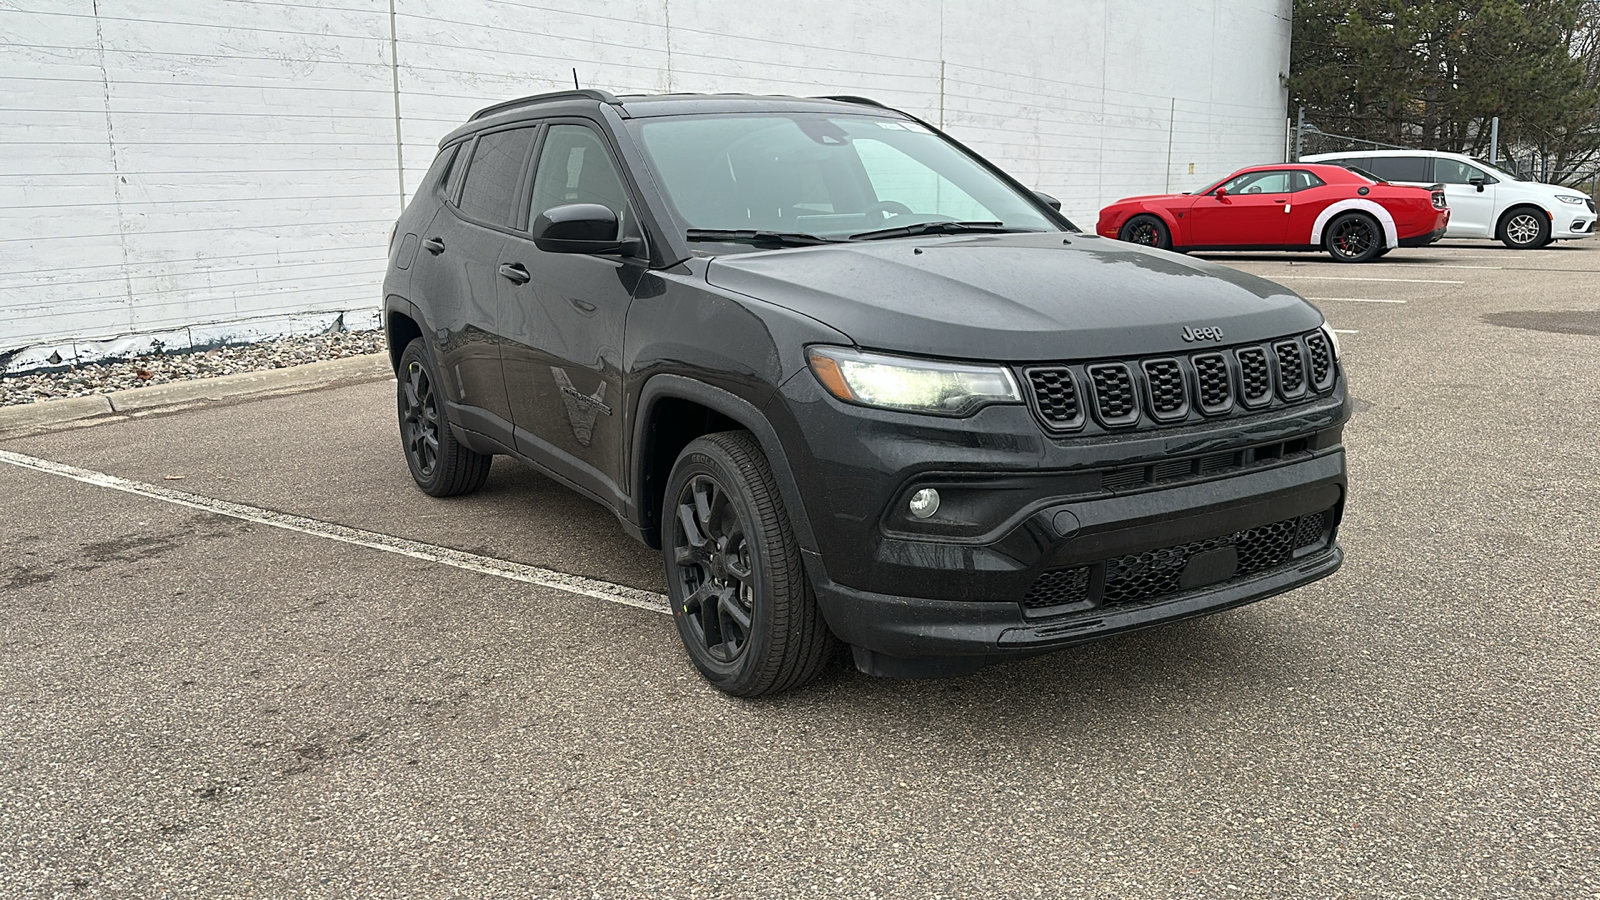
(202, 700)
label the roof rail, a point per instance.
(848, 98)
(582, 94)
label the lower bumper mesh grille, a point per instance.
(1153, 574)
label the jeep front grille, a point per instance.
(1256, 377)
(1168, 398)
(1056, 395)
(1291, 369)
(1321, 361)
(1216, 384)
(1176, 389)
(1153, 575)
(1115, 401)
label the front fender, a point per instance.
(670, 386)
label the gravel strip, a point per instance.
(143, 371)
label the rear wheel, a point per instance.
(1147, 230)
(740, 597)
(1524, 228)
(441, 465)
(1353, 237)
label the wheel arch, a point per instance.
(402, 324)
(1391, 234)
(1164, 216)
(1500, 221)
(674, 410)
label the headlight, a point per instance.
(913, 385)
(1333, 339)
(1569, 198)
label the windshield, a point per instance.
(830, 176)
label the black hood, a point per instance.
(1015, 297)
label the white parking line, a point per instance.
(470, 562)
(1345, 331)
(1350, 278)
(1351, 300)
(1434, 266)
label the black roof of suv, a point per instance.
(858, 383)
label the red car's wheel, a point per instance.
(1353, 237)
(1147, 230)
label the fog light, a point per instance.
(924, 503)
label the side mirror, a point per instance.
(1049, 201)
(1477, 183)
(1221, 192)
(580, 228)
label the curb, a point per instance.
(26, 418)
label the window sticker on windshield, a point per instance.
(902, 126)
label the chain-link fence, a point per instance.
(1306, 140)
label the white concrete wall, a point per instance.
(191, 171)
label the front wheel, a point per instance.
(1147, 230)
(740, 597)
(1525, 228)
(1353, 238)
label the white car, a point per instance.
(1485, 202)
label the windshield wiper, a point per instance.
(751, 236)
(933, 228)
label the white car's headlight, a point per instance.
(1571, 198)
(1333, 339)
(912, 385)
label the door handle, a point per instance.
(433, 245)
(515, 273)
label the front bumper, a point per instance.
(910, 638)
(941, 597)
(1135, 559)
(1566, 226)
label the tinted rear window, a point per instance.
(1401, 168)
(491, 186)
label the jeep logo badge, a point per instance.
(1209, 333)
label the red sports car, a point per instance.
(1290, 206)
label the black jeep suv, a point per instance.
(856, 382)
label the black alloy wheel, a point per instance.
(440, 465)
(419, 420)
(715, 576)
(740, 597)
(1354, 238)
(1147, 230)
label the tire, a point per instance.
(1353, 238)
(740, 597)
(1147, 230)
(440, 464)
(1381, 253)
(1524, 228)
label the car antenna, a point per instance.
(575, 79)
